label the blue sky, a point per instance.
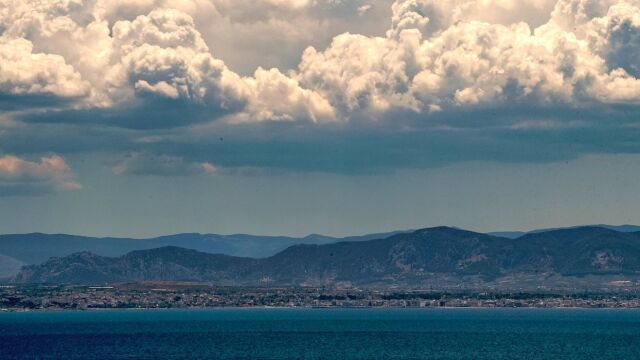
(146, 117)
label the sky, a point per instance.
(148, 117)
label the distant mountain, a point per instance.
(507, 234)
(436, 257)
(516, 234)
(36, 248)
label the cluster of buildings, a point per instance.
(192, 295)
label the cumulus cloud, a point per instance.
(159, 55)
(434, 58)
(151, 69)
(274, 33)
(274, 96)
(25, 73)
(164, 55)
(431, 16)
(23, 177)
(436, 55)
(622, 29)
(161, 165)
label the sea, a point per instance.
(301, 333)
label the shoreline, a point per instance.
(132, 296)
(280, 308)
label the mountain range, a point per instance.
(435, 257)
(17, 250)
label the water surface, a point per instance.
(323, 334)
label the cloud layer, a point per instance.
(454, 73)
(160, 165)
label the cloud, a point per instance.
(363, 9)
(157, 72)
(23, 177)
(622, 49)
(274, 33)
(162, 54)
(431, 16)
(161, 165)
(435, 59)
(276, 97)
(25, 73)
(436, 55)
(453, 76)
(128, 66)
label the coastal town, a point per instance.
(195, 295)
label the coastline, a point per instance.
(280, 308)
(38, 297)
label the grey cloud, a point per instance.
(512, 134)
(516, 133)
(152, 113)
(160, 165)
(624, 42)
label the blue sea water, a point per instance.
(322, 334)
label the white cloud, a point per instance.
(361, 74)
(23, 72)
(247, 34)
(435, 56)
(571, 14)
(159, 55)
(163, 54)
(20, 177)
(431, 16)
(148, 54)
(274, 96)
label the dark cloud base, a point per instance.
(150, 114)
(505, 134)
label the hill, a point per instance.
(165, 263)
(438, 257)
